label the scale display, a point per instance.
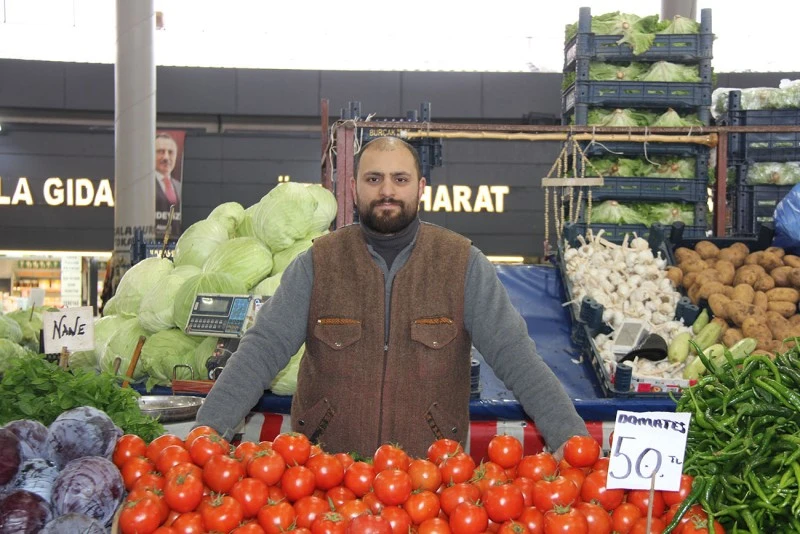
(222, 315)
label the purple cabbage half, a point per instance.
(32, 436)
(10, 457)
(89, 485)
(74, 523)
(84, 431)
(23, 512)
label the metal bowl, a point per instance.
(170, 408)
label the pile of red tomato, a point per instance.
(204, 484)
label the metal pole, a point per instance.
(684, 8)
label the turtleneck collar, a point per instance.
(388, 246)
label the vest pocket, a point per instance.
(314, 421)
(337, 332)
(434, 332)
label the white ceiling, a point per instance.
(443, 35)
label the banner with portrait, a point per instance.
(169, 181)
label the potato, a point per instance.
(780, 327)
(709, 275)
(688, 279)
(753, 257)
(795, 319)
(738, 312)
(717, 304)
(764, 283)
(762, 352)
(693, 266)
(683, 254)
(731, 337)
(726, 271)
(711, 262)
(786, 294)
(756, 329)
(781, 275)
(744, 293)
(787, 309)
(748, 274)
(778, 251)
(706, 249)
(736, 257)
(794, 277)
(791, 260)
(675, 276)
(694, 293)
(741, 248)
(771, 346)
(769, 261)
(760, 300)
(729, 291)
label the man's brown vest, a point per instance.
(356, 387)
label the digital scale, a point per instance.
(226, 317)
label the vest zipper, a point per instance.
(383, 385)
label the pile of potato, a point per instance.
(752, 294)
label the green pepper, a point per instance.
(698, 486)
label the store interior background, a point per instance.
(248, 128)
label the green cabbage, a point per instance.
(267, 286)
(10, 329)
(222, 283)
(671, 118)
(284, 215)
(326, 208)
(30, 323)
(138, 281)
(104, 328)
(681, 25)
(202, 353)
(164, 351)
(197, 243)
(664, 71)
(612, 212)
(10, 351)
(230, 214)
(285, 256)
(156, 312)
(285, 382)
(121, 345)
(245, 227)
(246, 258)
(773, 173)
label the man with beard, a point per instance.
(168, 189)
(388, 310)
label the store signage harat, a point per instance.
(72, 328)
(58, 192)
(490, 198)
(647, 446)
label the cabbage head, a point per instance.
(612, 212)
(166, 349)
(285, 382)
(104, 328)
(326, 208)
(10, 329)
(285, 256)
(229, 213)
(30, 323)
(197, 243)
(245, 258)
(284, 215)
(156, 312)
(122, 344)
(245, 227)
(223, 283)
(267, 286)
(10, 351)
(201, 355)
(138, 281)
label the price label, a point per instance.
(71, 327)
(647, 444)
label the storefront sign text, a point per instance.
(58, 192)
(490, 198)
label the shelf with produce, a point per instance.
(38, 273)
(754, 192)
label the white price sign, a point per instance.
(647, 444)
(72, 328)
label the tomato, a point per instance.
(537, 466)
(677, 497)
(297, 481)
(143, 493)
(695, 512)
(488, 474)
(512, 527)
(165, 530)
(221, 513)
(533, 519)
(575, 474)
(165, 440)
(327, 469)
(392, 486)
(457, 468)
(352, 509)
(339, 495)
(128, 446)
(624, 516)
(581, 451)
(390, 457)
(555, 491)
(503, 502)
(185, 468)
(398, 519)
(221, 472)
(469, 518)
(134, 468)
(443, 448)
(252, 494)
(601, 464)
(358, 478)
(526, 487)
(189, 523)
(641, 499)
(171, 455)
(196, 432)
(597, 518)
(267, 466)
(307, 509)
(248, 528)
(151, 480)
(293, 447)
(373, 503)
(140, 516)
(276, 517)
(204, 447)
(424, 475)
(437, 525)
(329, 523)
(568, 521)
(183, 493)
(245, 451)
(594, 490)
(640, 526)
(505, 450)
(454, 495)
(695, 525)
(369, 524)
(345, 459)
(422, 505)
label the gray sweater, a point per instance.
(498, 331)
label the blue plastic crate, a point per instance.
(613, 148)
(628, 94)
(636, 188)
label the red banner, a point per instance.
(169, 181)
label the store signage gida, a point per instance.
(56, 191)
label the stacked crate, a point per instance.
(584, 94)
(750, 206)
